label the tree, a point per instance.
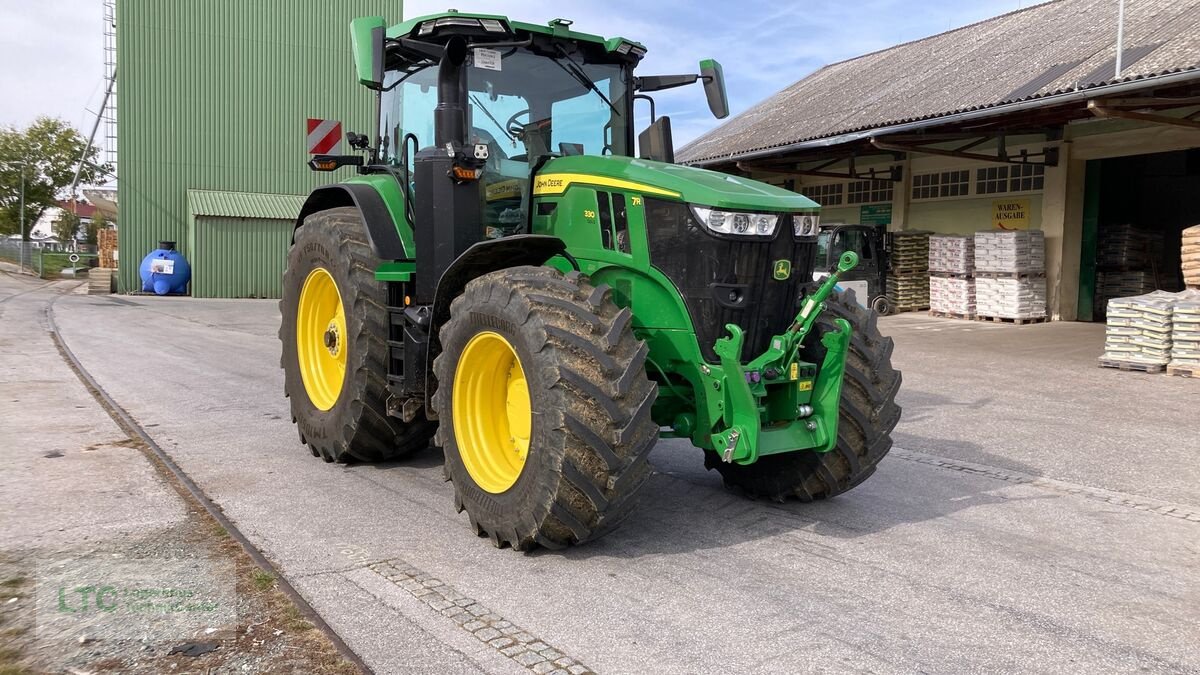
(66, 227)
(98, 222)
(47, 152)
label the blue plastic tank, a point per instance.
(165, 270)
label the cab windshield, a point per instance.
(523, 105)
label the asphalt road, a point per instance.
(1006, 532)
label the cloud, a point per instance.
(763, 46)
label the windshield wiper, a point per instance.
(573, 69)
(492, 118)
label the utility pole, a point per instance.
(23, 245)
(1120, 36)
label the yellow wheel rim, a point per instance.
(321, 339)
(492, 413)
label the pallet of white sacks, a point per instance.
(951, 315)
(1139, 366)
(1015, 320)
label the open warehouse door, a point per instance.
(1135, 209)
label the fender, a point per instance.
(381, 229)
(483, 257)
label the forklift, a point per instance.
(873, 246)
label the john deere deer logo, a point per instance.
(783, 269)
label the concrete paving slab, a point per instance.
(951, 558)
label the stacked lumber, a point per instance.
(100, 281)
(1185, 335)
(1190, 257)
(106, 240)
(908, 271)
(1138, 332)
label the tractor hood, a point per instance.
(671, 181)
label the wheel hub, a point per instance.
(331, 339)
(320, 327)
(492, 412)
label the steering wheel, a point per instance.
(515, 128)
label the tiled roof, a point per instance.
(1051, 48)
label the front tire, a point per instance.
(334, 336)
(544, 408)
(867, 415)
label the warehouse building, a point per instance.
(214, 98)
(1020, 121)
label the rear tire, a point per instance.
(868, 413)
(356, 426)
(590, 429)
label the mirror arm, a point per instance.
(643, 97)
(661, 82)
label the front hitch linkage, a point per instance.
(740, 440)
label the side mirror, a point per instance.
(366, 42)
(714, 88)
(655, 142)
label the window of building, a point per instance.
(1009, 178)
(1025, 177)
(868, 191)
(941, 184)
(992, 180)
(829, 194)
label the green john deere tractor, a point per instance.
(505, 278)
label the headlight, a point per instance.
(737, 222)
(805, 224)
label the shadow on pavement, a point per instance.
(686, 509)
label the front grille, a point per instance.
(706, 269)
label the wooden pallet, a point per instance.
(1133, 365)
(1184, 371)
(952, 275)
(1009, 275)
(951, 315)
(909, 308)
(1015, 321)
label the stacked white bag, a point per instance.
(1011, 297)
(1190, 256)
(951, 266)
(951, 254)
(1185, 331)
(1138, 330)
(1015, 252)
(1011, 271)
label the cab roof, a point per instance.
(558, 28)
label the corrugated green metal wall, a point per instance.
(214, 95)
(241, 257)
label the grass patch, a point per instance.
(9, 659)
(294, 620)
(263, 580)
(220, 531)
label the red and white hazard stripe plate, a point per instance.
(324, 136)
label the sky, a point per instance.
(51, 51)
